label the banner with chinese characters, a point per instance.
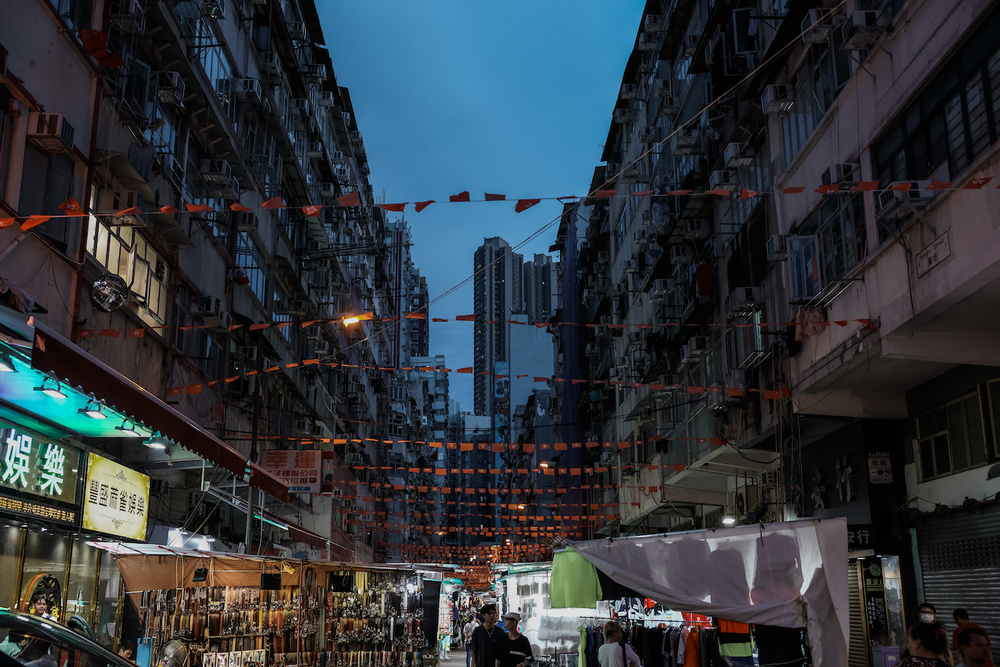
(298, 468)
(37, 465)
(117, 499)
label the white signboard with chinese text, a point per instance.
(298, 468)
(117, 499)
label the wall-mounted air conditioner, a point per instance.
(681, 254)
(777, 98)
(861, 30)
(817, 26)
(216, 171)
(697, 228)
(250, 90)
(50, 132)
(170, 87)
(776, 249)
(738, 154)
(846, 175)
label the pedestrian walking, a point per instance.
(487, 639)
(467, 630)
(925, 645)
(928, 614)
(517, 650)
(616, 652)
(962, 621)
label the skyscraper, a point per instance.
(497, 294)
(539, 285)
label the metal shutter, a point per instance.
(857, 649)
(960, 566)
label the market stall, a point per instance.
(230, 610)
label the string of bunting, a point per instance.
(72, 208)
(479, 491)
(499, 447)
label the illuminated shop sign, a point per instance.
(37, 465)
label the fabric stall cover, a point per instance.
(791, 574)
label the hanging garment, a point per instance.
(692, 649)
(581, 650)
(735, 642)
(574, 581)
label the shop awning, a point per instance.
(51, 353)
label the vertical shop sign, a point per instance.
(117, 501)
(873, 586)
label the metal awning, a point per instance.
(51, 353)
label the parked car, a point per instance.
(38, 642)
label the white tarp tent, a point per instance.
(791, 574)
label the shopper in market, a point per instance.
(615, 651)
(962, 621)
(925, 644)
(517, 649)
(487, 639)
(973, 646)
(467, 630)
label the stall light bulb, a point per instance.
(728, 521)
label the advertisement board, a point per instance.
(116, 500)
(300, 469)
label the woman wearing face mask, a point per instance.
(928, 614)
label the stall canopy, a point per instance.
(791, 574)
(51, 353)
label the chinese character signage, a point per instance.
(36, 465)
(879, 468)
(299, 469)
(860, 537)
(117, 499)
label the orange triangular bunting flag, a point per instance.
(135, 210)
(353, 199)
(34, 221)
(199, 208)
(274, 202)
(399, 208)
(525, 204)
(421, 205)
(71, 207)
(312, 210)
(240, 208)
(461, 196)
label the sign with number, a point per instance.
(298, 468)
(879, 468)
(36, 465)
(117, 499)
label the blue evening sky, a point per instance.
(511, 97)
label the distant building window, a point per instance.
(249, 258)
(950, 438)
(76, 14)
(125, 252)
(829, 244)
(817, 83)
(952, 121)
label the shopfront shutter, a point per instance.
(857, 650)
(960, 566)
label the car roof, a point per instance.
(36, 627)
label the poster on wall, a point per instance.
(298, 468)
(117, 499)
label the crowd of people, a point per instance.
(928, 646)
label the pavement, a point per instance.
(455, 659)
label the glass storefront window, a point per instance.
(44, 553)
(108, 587)
(82, 584)
(10, 563)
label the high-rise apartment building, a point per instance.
(498, 294)
(539, 286)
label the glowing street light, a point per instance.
(351, 320)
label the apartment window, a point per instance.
(952, 121)
(620, 230)
(76, 14)
(125, 252)
(249, 258)
(817, 83)
(280, 313)
(950, 438)
(46, 182)
(830, 243)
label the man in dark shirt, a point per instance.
(516, 651)
(487, 639)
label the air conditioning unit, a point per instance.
(621, 115)
(250, 90)
(847, 175)
(327, 189)
(649, 134)
(326, 98)
(631, 175)
(777, 98)
(662, 88)
(652, 23)
(742, 301)
(300, 106)
(724, 178)
(50, 132)
(129, 15)
(861, 30)
(889, 204)
(768, 479)
(738, 154)
(244, 221)
(314, 149)
(109, 202)
(337, 157)
(687, 141)
(681, 255)
(170, 87)
(321, 347)
(590, 350)
(213, 9)
(303, 425)
(315, 71)
(690, 45)
(629, 91)
(228, 190)
(271, 62)
(817, 26)
(648, 42)
(209, 308)
(216, 171)
(697, 345)
(776, 249)
(342, 173)
(697, 228)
